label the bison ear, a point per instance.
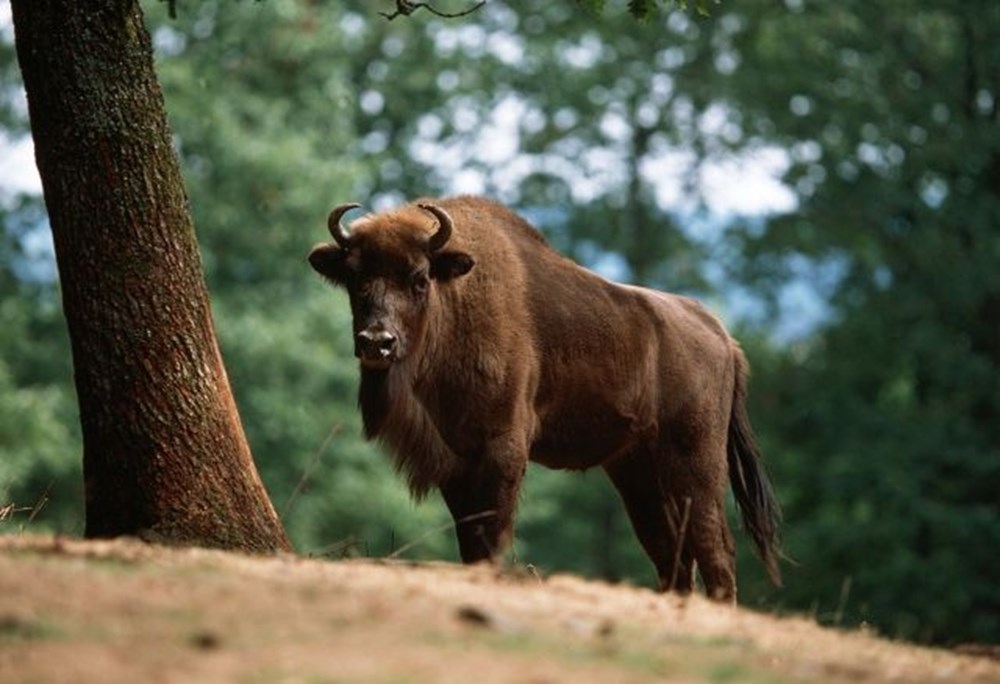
(447, 264)
(329, 261)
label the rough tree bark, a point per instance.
(165, 455)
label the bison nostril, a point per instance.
(387, 344)
(376, 345)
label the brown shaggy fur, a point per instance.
(509, 352)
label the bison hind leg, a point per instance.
(659, 527)
(694, 483)
(713, 547)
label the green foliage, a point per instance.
(885, 425)
(576, 521)
(644, 10)
(40, 468)
(257, 161)
(595, 6)
(641, 9)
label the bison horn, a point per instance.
(443, 234)
(337, 229)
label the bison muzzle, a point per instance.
(481, 349)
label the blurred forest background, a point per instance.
(825, 175)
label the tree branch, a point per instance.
(406, 8)
(171, 8)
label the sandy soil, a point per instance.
(124, 611)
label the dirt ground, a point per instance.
(124, 611)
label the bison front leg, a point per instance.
(482, 500)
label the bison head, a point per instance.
(390, 266)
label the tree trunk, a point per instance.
(164, 453)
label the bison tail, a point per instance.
(751, 487)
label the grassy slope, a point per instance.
(126, 612)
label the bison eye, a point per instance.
(420, 281)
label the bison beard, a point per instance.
(481, 348)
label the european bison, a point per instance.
(482, 348)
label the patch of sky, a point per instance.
(18, 173)
(29, 228)
(800, 304)
(168, 41)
